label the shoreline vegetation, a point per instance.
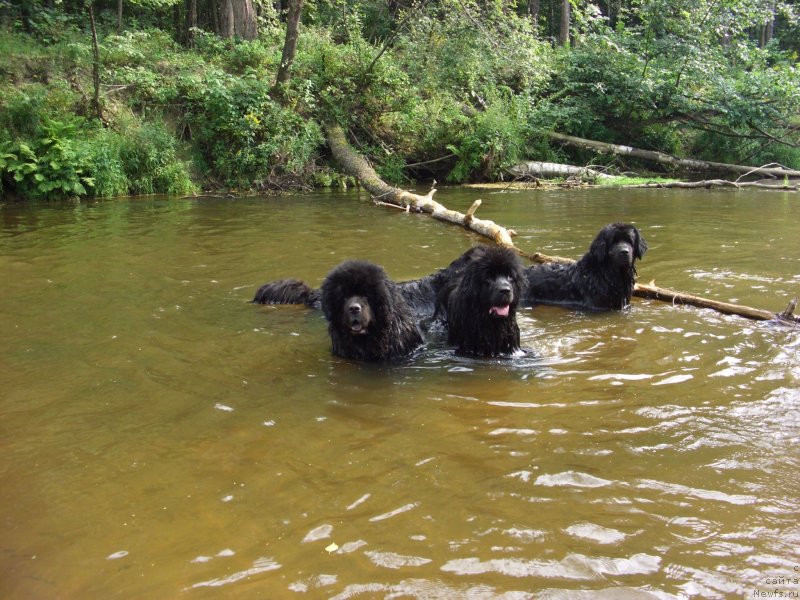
(164, 98)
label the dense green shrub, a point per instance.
(444, 51)
(49, 152)
(52, 164)
(149, 155)
(495, 139)
(246, 138)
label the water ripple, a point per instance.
(391, 560)
(682, 490)
(573, 566)
(572, 479)
(595, 533)
(260, 565)
(318, 533)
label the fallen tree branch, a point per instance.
(653, 292)
(713, 183)
(668, 159)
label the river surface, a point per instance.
(163, 438)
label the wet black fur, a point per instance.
(287, 291)
(362, 291)
(602, 279)
(483, 277)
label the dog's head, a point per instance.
(495, 276)
(618, 245)
(354, 298)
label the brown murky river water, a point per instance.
(163, 438)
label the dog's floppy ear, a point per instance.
(379, 296)
(599, 247)
(639, 246)
(328, 296)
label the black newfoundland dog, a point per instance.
(602, 279)
(368, 318)
(479, 301)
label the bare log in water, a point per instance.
(535, 168)
(357, 166)
(713, 183)
(653, 292)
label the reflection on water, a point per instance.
(163, 437)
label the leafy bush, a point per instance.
(245, 137)
(444, 50)
(495, 140)
(148, 153)
(103, 162)
(51, 166)
(339, 82)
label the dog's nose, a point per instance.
(355, 309)
(504, 287)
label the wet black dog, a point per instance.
(602, 279)
(368, 318)
(479, 301)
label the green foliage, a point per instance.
(494, 140)
(148, 154)
(76, 158)
(459, 89)
(622, 180)
(257, 57)
(392, 169)
(340, 82)
(52, 166)
(50, 153)
(246, 138)
(102, 159)
(470, 50)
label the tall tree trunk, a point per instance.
(767, 30)
(249, 24)
(226, 25)
(191, 22)
(238, 18)
(289, 48)
(533, 13)
(95, 68)
(119, 17)
(563, 35)
(213, 9)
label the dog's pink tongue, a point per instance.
(500, 311)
